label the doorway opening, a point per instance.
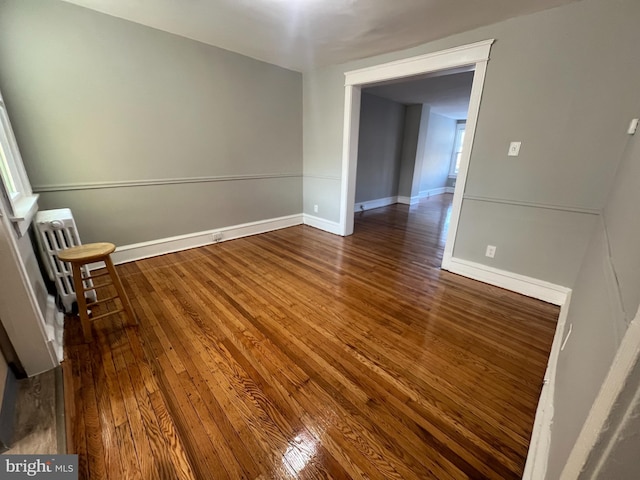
(471, 57)
(410, 146)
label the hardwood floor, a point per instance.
(300, 354)
(38, 415)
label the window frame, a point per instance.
(19, 201)
(461, 128)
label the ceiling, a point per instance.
(447, 95)
(303, 34)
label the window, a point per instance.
(457, 149)
(7, 168)
(18, 199)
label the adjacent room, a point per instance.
(312, 239)
(410, 147)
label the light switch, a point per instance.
(514, 149)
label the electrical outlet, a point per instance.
(514, 149)
(491, 251)
(216, 236)
(315, 208)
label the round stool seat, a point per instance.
(87, 253)
(79, 257)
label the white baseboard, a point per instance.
(322, 224)
(383, 202)
(435, 191)
(531, 287)
(54, 328)
(371, 204)
(138, 251)
(408, 200)
(538, 455)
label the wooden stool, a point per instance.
(89, 253)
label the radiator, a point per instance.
(56, 231)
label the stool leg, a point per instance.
(82, 302)
(120, 289)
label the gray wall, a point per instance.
(547, 244)
(436, 160)
(605, 299)
(380, 146)
(615, 454)
(402, 150)
(622, 223)
(554, 83)
(96, 99)
(414, 124)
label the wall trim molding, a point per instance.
(539, 446)
(452, 57)
(472, 56)
(435, 191)
(562, 208)
(54, 328)
(153, 248)
(431, 192)
(322, 177)
(383, 202)
(159, 181)
(322, 224)
(377, 203)
(538, 454)
(139, 251)
(408, 200)
(531, 287)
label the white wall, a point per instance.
(436, 159)
(21, 302)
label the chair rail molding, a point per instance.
(159, 181)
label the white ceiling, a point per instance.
(303, 34)
(447, 95)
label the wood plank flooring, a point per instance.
(300, 354)
(37, 415)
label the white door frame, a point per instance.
(474, 55)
